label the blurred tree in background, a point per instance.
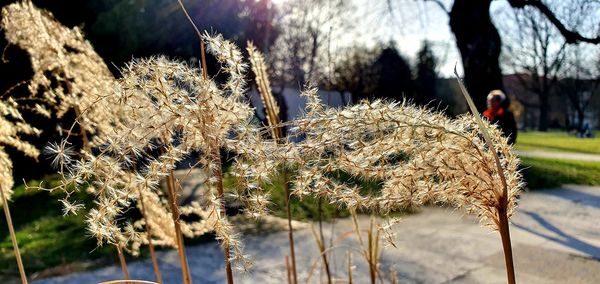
(302, 52)
(394, 76)
(480, 44)
(425, 75)
(123, 29)
(354, 72)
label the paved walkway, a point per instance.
(556, 239)
(560, 155)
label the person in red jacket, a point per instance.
(498, 113)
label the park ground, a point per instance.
(551, 244)
(555, 229)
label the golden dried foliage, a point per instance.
(68, 73)
(12, 126)
(264, 89)
(420, 157)
(172, 113)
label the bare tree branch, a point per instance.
(440, 4)
(570, 36)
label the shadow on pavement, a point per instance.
(562, 238)
(576, 196)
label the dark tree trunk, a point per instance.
(479, 44)
(543, 123)
(580, 118)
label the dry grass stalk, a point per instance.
(322, 252)
(370, 251)
(150, 244)
(322, 240)
(171, 109)
(257, 62)
(288, 269)
(231, 59)
(220, 195)
(502, 195)
(200, 40)
(374, 251)
(176, 214)
(12, 127)
(288, 209)
(350, 268)
(84, 83)
(418, 155)
(13, 238)
(123, 263)
(216, 157)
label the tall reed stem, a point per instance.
(82, 131)
(322, 243)
(350, 268)
(185, 270)
(286, 188)
(150, 245)
(506, 245)
(127, 282)
(216, 156)
(122, 262)
(370, 252)
(288, 269)
(502, 196)
(373, 258)
(13, 238)
(220, 192)
(277, 133)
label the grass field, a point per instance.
(49, 240)
(544, 173)
(547, 173)
(557, 141)
(45, 237)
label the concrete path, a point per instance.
(560, 155)
(556, 239)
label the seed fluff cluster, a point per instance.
(419, 156)
(172, 113)
(68, 73)
(12, 126)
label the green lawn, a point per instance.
(306, 209)
(557, 141)
(49, 240)
(45, 237)
(546, 173)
